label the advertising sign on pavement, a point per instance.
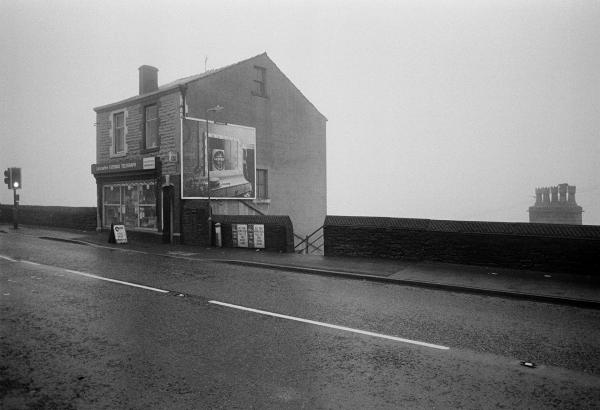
(118, 234)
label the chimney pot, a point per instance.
(562, 192)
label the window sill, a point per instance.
(149, 150)
(118, 155)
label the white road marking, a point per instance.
(262, 312)
(135, 285)
(89, 275)
(314, 322)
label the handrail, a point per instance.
(307, 243)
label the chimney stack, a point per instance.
(148, 79)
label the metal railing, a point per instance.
(311, 244)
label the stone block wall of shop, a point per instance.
(83, 218)
(542, 247)
(168, 130)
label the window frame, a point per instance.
(260, 82)
(116, 137)
(147, 127)
(114, 151)
(262, 184)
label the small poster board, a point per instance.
(242, 235)
(248, 236)
(256, 236)
(118, 234)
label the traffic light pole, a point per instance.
(15, 209)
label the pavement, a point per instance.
(557, 288)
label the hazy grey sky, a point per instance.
(437, 109)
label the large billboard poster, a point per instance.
(227, 155)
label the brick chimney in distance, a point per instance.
(148, 79)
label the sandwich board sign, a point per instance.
(118, 234)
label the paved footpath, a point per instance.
(561, 288)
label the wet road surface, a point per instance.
(200, 334)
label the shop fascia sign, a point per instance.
(138, 164)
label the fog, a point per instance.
(436, 109)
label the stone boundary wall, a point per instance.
(279, 232)
(542, 247)
(83, 218)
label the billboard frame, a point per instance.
(200, 133)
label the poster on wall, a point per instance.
(248, 236)
(226, 156)
(256, 236)
(239, 234)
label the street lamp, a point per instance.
(214, 109)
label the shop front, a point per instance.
(129, 194)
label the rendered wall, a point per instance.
(290, 139)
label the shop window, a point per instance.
(147, 204)
(131, 204)
(262, 186)
(151, 127)
(112, 205)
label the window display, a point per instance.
(132, 204)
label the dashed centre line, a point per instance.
(347, 329)
(247, 309)
(121, 282)
(89, 275)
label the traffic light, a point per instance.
(8, 178)
(12, 178)
(16, 178)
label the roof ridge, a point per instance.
(176, 83)
(194, 77)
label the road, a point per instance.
(173, 332)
